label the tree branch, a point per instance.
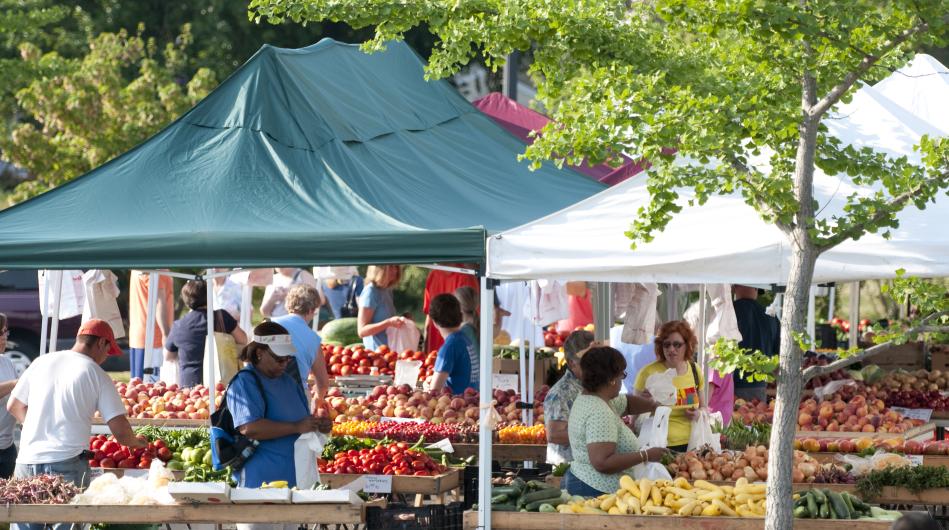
(814, 371)
(890, 207)
(868, 61)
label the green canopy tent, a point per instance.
(321, 155)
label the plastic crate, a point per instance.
(402, 517)
(470, 478)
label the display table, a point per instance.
(921, 433)
(889, 495)
(928, 460)
(160, 422)
(505, 452)
(403, 484)
(186, 513)
(558, 521)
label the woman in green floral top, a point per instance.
(603, 447)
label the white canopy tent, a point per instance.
(726, 240)
(921, 88)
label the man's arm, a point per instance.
(639, 405)
(318, 369)
(6, 387)
(557, 432)
(438, 380)
(17, 409)
(162, 310)
(122, 430)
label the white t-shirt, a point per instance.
(7, 421)
(279, 280)
(62, 392)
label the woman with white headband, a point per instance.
(268, 405)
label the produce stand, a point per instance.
(160, 422)
(558, 521)
(921, 433)
(120, 472)
(505, 452)
(186, 513)
(403, 484)
(890, 495)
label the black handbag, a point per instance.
(350, 308)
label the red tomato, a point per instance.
(107, 463)
(336, 369)
(346, 370)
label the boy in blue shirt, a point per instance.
(453, 364)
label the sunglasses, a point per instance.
(672, 344)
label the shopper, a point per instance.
(453, 364)
(303, 301)
(759, 331)
(57, 418)
(188, 336)
(675, 348)
(141, 357)
(7, 421)
(339, 293)
(272, 305)
(468, 302)
(603, 447)
(276, 417)
(376, 308)
(442, 282)
(227, 295)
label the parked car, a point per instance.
(20, 301)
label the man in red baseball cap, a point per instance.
(57, 419)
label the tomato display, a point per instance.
(392, 459)
(109, 453)
(357, 360)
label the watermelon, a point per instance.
(341, 330)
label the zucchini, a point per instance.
(838, 505)
(499, 499)
(505, 490)
(819, 497)
(538, 485)
(849, 503)
(534, 506)
(824, 511)
(801, 512)
(547, 493)
(812, 506)
(519, 484)
(858, 504)
(503, 508)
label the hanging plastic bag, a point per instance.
(702, 434)
(404, 337)
(655, 433)
(306, 450)
(661, 387)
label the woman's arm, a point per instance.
(239, 336)
(6, 387)
(366, 328)
(637, 404)
(264, 429)
(272, 295)
(605, 459)
(322, 378)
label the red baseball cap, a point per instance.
(101, 329)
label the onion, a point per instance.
(715, 475)
(807, 469)
(762, 472)
(684, 474)
(742, 463)
(699, 475)
(728, 469)
(762, 450)
(797, 476)
(737, 474)
(750, 474)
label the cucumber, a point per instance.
(538, 485)
(519, 484)
(812, 505)
(534, 506)
(849, 503)
(801, 512)
(500, 499)
(838, 505)
(505, 490)
(547, 493)
(819, 497)
(503, 508)
(824, 511)
(858, 504)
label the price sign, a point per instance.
(444, 445)
(378, 484)
(917, 460)
(505, 381)
(401, 420)
(914, 414)
(95, 472)
(407, 372)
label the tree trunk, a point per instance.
(780, 515)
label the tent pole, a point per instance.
(485, 429)
(703, 358)
(150, 315)
(315, 325)
(210, 363)
(601, 311)
(854, 313)
(522, 365)
(831, 302)
(44, 311)
(247, 297)
(811, 295)
(54, 331)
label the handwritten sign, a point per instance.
(443, 445)
(378, 484)
(914, 414)
(401, 420)
(917, 460)
(505, 381)
(407, 372)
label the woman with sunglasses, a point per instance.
(675, 348)
(603, 447)
(279, 415)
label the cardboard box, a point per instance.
(513, 366)
(909, 356)
(325, 497)
(200, 492)
(260, 495)
(939, 356)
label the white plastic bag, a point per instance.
(306, 450)
(823, 392)
(404, 337)
(661, 387)
(702, 434)
(654, 433)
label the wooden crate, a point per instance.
(889, 495)
(186, 513)
(558, 521)
(505, 452)
(513, 366)
(909, 356)
(404, 484)
(921, 433)
(928, 460)
(160, 422)
(939, 357)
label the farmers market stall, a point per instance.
(186, 513)
(560, 521)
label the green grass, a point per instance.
(120, 376)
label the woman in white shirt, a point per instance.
(7, 421)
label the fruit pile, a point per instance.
(869, 446)
(412, 432)
(434, 407)
(156, 400)
(553, 338)
(752, 465)
(109, 453)
(921, 380)
(190, 452)
(679, 497)
(848, 410)
(917, 399)
(520, 434)
(821, 359)
(393, 459)
(358, 360)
